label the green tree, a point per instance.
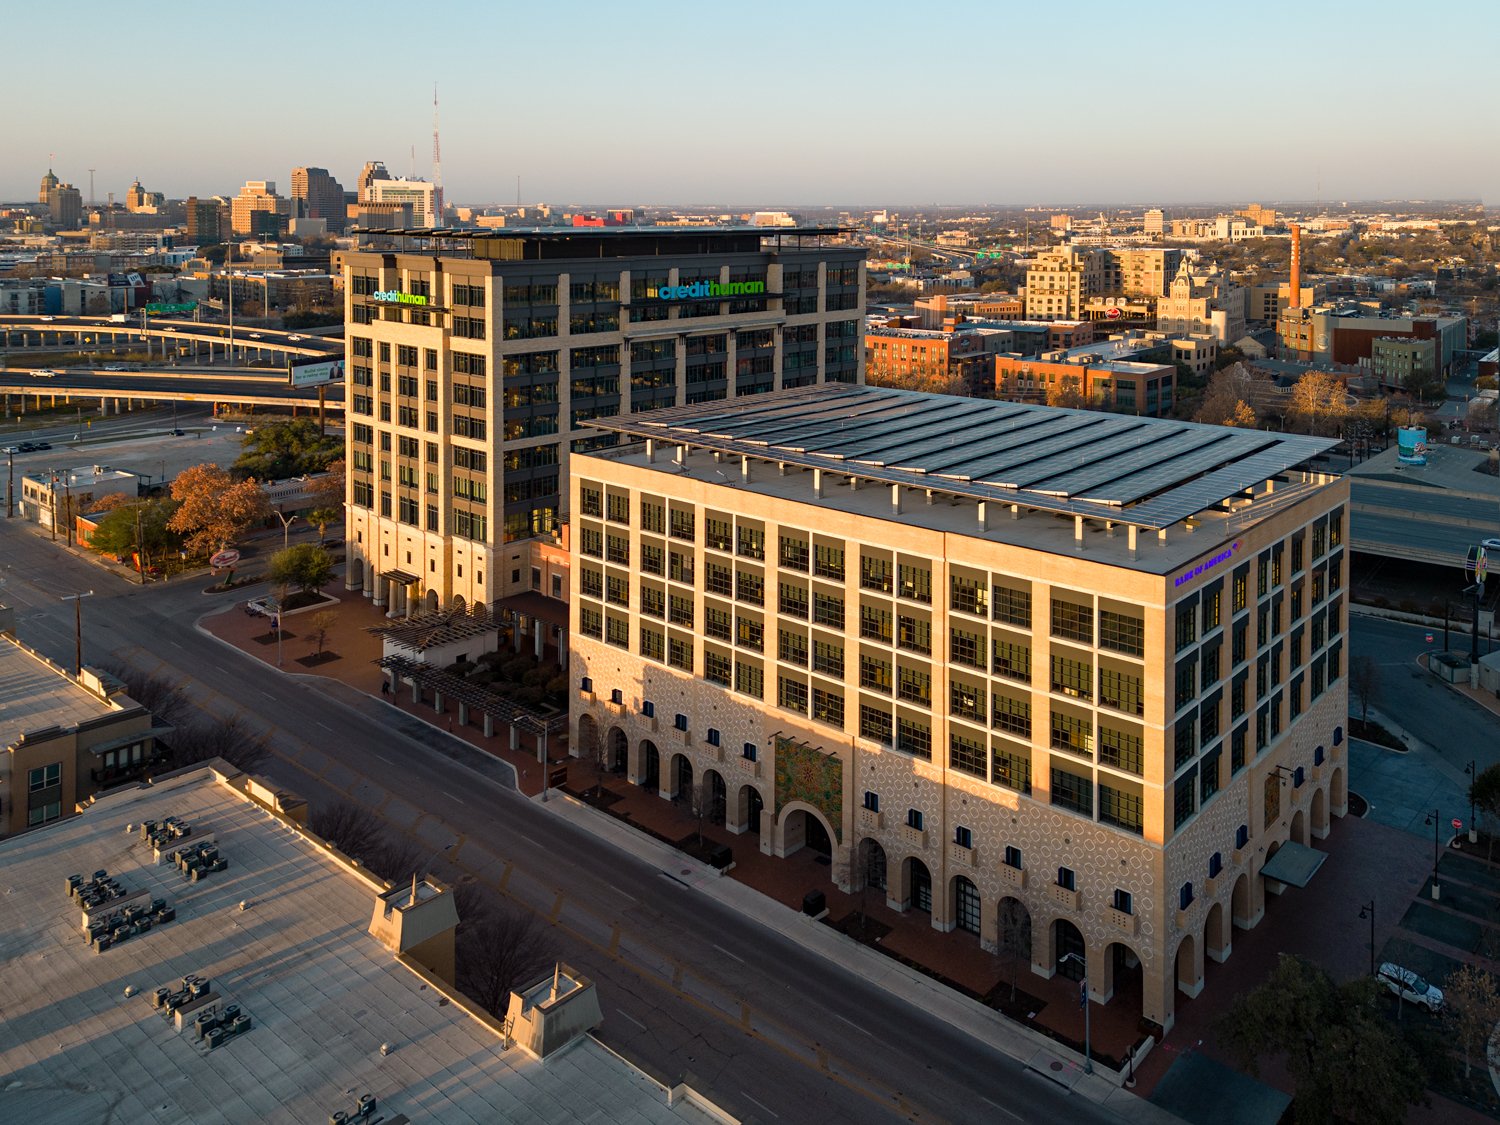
(1345, 1057)
(144, 525)
(306, 566)
(285, 448)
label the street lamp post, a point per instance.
(1083, 996)
(286, 526)
(1368, 910)
(1435, 818)
(77, 600)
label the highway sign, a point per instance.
(227, 557)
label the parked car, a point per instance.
(38, 446)
(44, 373)
(27, 447)
(1410, 986)
(114, 367)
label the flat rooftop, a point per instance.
(323, 994)
(517, 244)
(1146, 471)
(1105, 469)
(37, 694)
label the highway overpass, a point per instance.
(244, 387)
(1426, 514)
(176, 337)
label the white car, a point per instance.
(45, 373)
(1410, 986)
(49, 318)
(294, 339)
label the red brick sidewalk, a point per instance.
(356, 652)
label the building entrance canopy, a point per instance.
(1294, 864)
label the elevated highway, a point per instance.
(242, 387)
(177, 336)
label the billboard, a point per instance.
(316, 372)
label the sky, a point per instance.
(770, 103)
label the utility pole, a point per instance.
(140, 548)
(10, 484)
(77, 600)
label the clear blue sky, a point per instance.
(772, 102)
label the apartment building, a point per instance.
(1066, 284)
(258, 209)
(65, 737)
(1074, 674)
(1131, 385)
(479, 363)
(959, 360)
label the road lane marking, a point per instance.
(762, 1105)
(836, 1016)
(632, 1019)
(730, 955)
(1000, 1107)
(325, 726)
(451, 797)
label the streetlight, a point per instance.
(1435, 818)
(1083, 1002)
(77, 600)
(1368, 911)
(286, 526)
(1471, 771)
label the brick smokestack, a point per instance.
(1294, 299)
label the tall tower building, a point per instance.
(475, 375)
(1155, 221)
(49, 181)
(207, 224)
(372, 171)
(65, 204)
(317, 195)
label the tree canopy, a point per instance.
(117, 532)
(214, 509)
(289, 447)
(306, 566)
(1346, 1058)
(1228, 400)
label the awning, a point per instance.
(129, 739)
(400, 577)
(1294, 864)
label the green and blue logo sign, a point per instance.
(396, 297)
(707, 289)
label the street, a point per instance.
(680, 976)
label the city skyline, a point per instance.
(803, 108)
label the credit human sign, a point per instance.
(396, 297)
(706, 289)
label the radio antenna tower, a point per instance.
(437, 164)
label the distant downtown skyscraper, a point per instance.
(317, 195)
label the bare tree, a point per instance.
(703, 802)
(165, 698)
(1364, 679)
(1014, 937)
(1471, 1008)
(321, 624)
(472, 902)
(396, 858)
(592, 749)
(499, 954)
(231, 739)
(857, 878)
(353, 829)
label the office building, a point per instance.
(1085, 283)
(1074, 673)
(49, 181)
(258, 210)
(956, 360)
(139, 201)
(65, 207)
(317, 195)
(1202, 302)
(207, 221)
(66, 736)
(288, 986)
(1155, 221)
(477, 364)
(372, 171)
(1397, 360)
(420, 194)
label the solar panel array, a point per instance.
(1151, 472)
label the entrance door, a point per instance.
(966, 901)
(921, 887)
(754, 804)
(816, 838)
(1069, 940)
(650, 767)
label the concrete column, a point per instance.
(489, 725)
(984, 516)
(515, 633)
(1130, 535)
(378, 582)
(818, 482)
(745, 469)
(515, 737)
(1188, 968)
(416, 693)
(650, 451)
(463, 714)
(437, 701)
(895, 499)
(1078, 529)
(540, 638)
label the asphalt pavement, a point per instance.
(690, 987)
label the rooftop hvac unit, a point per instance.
(338, 1117)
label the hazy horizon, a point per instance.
(865, 105)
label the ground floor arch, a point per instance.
(750, 804)
(872, 863)
(1320, 814)
(648, 766)
(1338, 791)
(680, 777)
(588, 736)
(1298, 831)
(917, 882)
(1069, 953)
(1242, 903)
(798, 826)
(715, 803)
(430, 602)
(1189, 965)
(967, 910)
(1123, 977)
